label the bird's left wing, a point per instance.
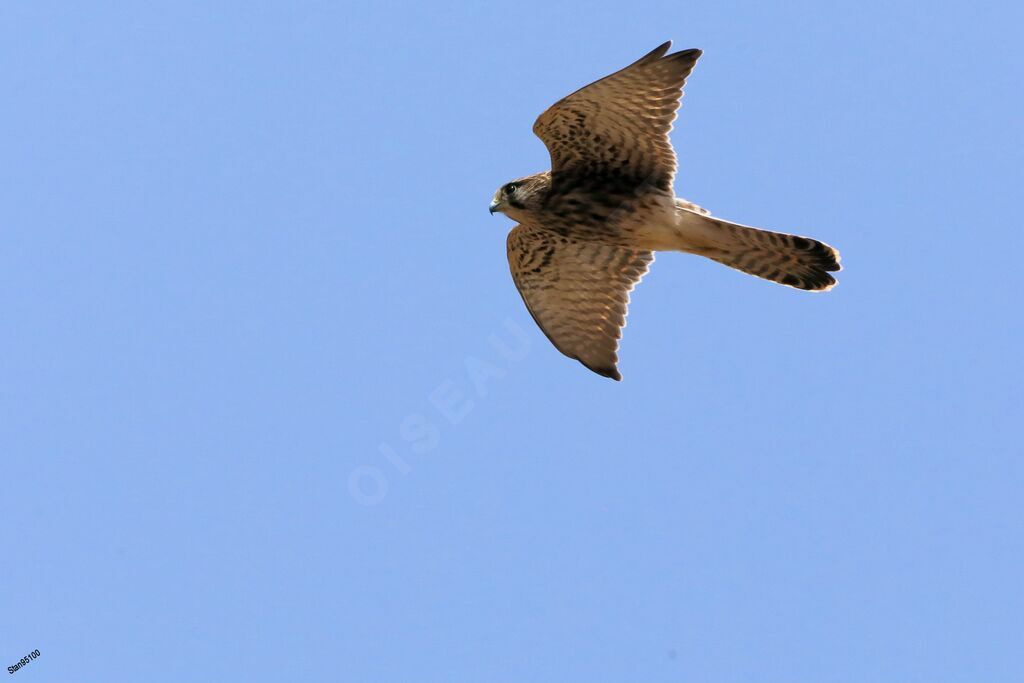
(578, 292)
(616, 129)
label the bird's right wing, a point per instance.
(578, 292)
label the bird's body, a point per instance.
(588, 229)
(617, 216)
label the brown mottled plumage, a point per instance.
(589, 227)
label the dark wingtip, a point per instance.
(656, 53)
(691, 55)
(610, 372)
(685, 56)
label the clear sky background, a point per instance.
(271, 408)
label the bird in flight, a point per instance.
(589, 227)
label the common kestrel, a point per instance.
(589, 227)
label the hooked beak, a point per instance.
(495, 205)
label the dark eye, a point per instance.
(510, 188)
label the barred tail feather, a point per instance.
(790, 260)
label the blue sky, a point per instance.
(271, 408)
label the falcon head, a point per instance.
(523, 197)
